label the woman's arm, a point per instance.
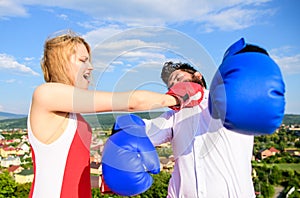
(60, 97)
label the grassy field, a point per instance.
(282, 166)
(292, 166)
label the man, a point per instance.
(212, 138)
(210, 160)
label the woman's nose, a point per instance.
(90, 66)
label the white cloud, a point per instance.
(63, 16)
(288, 64)
(9, 8)
(9, 81)
(118, 63)
(9, 63)
(128, 47)
(126, 70)
(234, 18)
(140, 47)
(97, 36)
(29, 58)
(217, 14)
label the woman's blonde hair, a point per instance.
(57, 53)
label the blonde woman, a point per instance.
(59, 136)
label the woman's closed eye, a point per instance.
(83, 59)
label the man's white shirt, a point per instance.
(210, 160)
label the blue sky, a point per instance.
(132, 39)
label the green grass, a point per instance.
(282, 166)
(291, 166)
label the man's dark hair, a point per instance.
(253, 48)
(170, 67)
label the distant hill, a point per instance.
(291, 119)
(5, 115)
(106, 120)
(101, 120)
(13, 123)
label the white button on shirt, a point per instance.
(210, 161)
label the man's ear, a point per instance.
(198, 75)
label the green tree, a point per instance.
(275, 175)
(295, 194)
(267, 190)
(96, 193)
(22, 190)
(7, 185)
(297, 144)
(294, 180)
(159, 187)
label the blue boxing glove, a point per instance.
(247, 91)
(129, 157)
